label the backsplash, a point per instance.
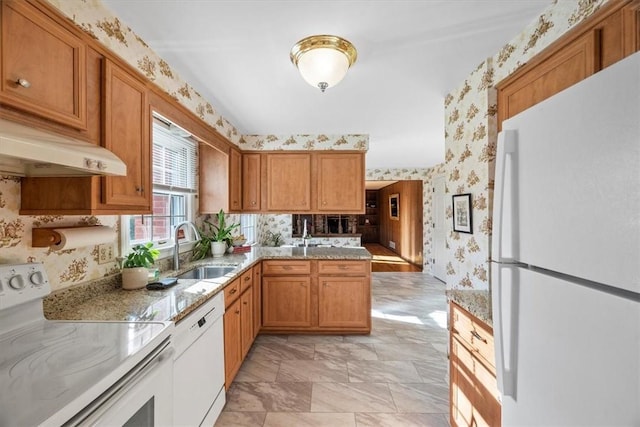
(65, 267)
(471, 137)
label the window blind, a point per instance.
(174, 160)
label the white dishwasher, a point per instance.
(198, 370)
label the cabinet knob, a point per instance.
(324, 202)
(24, 83)
(139, 189)
(253, 203)
(233, 291)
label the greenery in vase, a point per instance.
(220, 232)
(141, 256)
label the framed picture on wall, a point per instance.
(394, 206)
(462, 214)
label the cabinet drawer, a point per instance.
(285, 267)
(231, 292)
(360, 268)
(475, 334)
(246, 280)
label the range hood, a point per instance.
(26, 151)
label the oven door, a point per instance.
(144, 397)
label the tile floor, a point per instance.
(397, 376)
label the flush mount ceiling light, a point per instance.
(323, 60)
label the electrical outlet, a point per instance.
(392, 244)
(105, 253)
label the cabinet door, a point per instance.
(246, 321)
(461, 389)
(232, 342)
(48, 60)
(344, 302)
(340, 186)
(286, 301)
(257, 299)
(126, 134)
(288, 182)
(214, 180)
(235, 180)
(566, 67)
(251, 182)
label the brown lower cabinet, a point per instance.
(473, 388)
(316, 296)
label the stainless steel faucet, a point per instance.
(176, 248)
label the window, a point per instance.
(174, 188)
(248, 227)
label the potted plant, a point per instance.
(135, 271)
(214, 237)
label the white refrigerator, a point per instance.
(565, 271)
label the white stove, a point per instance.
(52, 372)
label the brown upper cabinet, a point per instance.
(43, 66)
(318, 181)
(288, 183)
(340, 186)
(235, 180)
(605, 38)
(127, 134)
(119, 103)
(214, 179)
(251, 188)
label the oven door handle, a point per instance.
(96, 409)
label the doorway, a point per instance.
(439, 234)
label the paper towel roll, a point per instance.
(77, 237)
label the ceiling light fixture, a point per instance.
(323, 60)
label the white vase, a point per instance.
(134, 278)
(218, 249)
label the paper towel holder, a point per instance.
(43, 237)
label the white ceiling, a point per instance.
(410, 55)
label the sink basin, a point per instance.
(206, 272)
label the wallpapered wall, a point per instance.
(471, 136)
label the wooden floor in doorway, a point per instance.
(385, 260)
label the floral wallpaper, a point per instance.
(471, 136)
(304, 142)
(65, 267)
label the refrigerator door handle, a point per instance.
(506, 146)
(505, 323)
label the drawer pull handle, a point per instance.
(24, 83)
(477, 336)
(233, 291)
(286, 267)
(246, 279)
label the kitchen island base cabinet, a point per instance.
(316, 296)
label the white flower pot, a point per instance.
(134, 278)
(218, 249)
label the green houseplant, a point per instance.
(214, 237)
(134, 269)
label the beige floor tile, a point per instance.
(312, 371)
(282, 351)
(351, 397)
(378, 371)
(270, 397)
(315, 339)
(421, 397)
(401, 420)
(240, 419)
(305, 419)
(345, 351)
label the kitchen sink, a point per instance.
(207, 272)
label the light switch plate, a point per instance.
(105, 253)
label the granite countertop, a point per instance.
(107, 301)
(474, 301)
